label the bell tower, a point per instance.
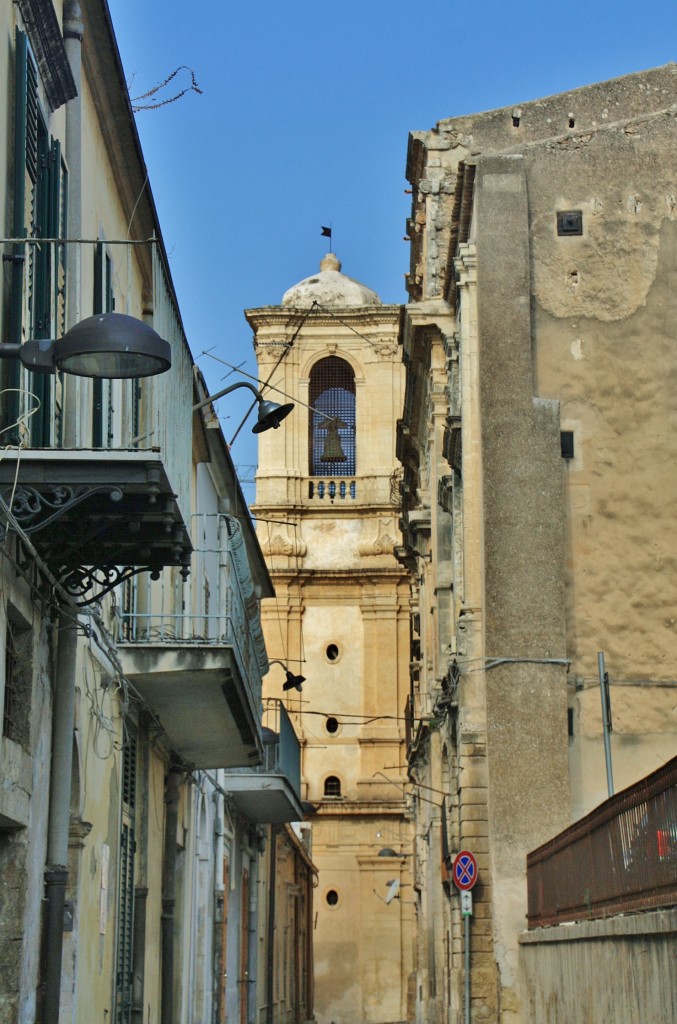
(327, 506)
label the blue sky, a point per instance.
(303, 121)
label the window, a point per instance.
(102, 401)
(125, 950)
(332, 786)
(18, 682)
(567, 444)
(38, 302)
(332, 419)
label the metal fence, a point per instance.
(621, 857)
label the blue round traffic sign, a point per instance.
(464, 871)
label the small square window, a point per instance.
(570, 222)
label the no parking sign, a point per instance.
(464, 871)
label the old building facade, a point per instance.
(538, 448)
(327, 522)
(137, 874)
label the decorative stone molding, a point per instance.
(385, 349)
(384, 543)
(78, 831)
(280, 545)
(452, 443)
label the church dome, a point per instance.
(330, 288)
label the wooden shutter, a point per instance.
(25, 175)
(102, 407)
(125, 916)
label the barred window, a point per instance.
(332, 786)
(332, 419)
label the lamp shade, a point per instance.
(270, 415)
(292, 682)
(112, 345)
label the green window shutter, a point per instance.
(103, 302)
(38, 296)
(125, 903)
(25, 174)
(136, 407)
(97, 385)
(41, 292)
(58, 227)
(46, 265)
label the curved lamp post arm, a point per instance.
(270, 413)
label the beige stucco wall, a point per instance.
(605, 310)
(91, 947)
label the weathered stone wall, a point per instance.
(523, 556)
(24, 791)
(559, 558)
(620, 969)
(605, 309)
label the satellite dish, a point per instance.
(393, 890)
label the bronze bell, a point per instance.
(333, 451)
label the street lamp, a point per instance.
(291, 682)
(105, 346)
(270, 413)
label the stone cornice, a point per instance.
(340, 807)
(289, 317)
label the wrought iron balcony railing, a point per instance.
(216, 605)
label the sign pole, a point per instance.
(464, 873)
(606, 720)
(466, 980)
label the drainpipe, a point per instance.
(72, 35)
(253, 913)
(139, 951)
(63, 710)
(220, 895)
(270, 967)
(56, 871)
(141, 888)
(169, 897)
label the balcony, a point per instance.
(271, 792)
(95, 518)
(194, 649)
(331, 490)
(367, 489)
